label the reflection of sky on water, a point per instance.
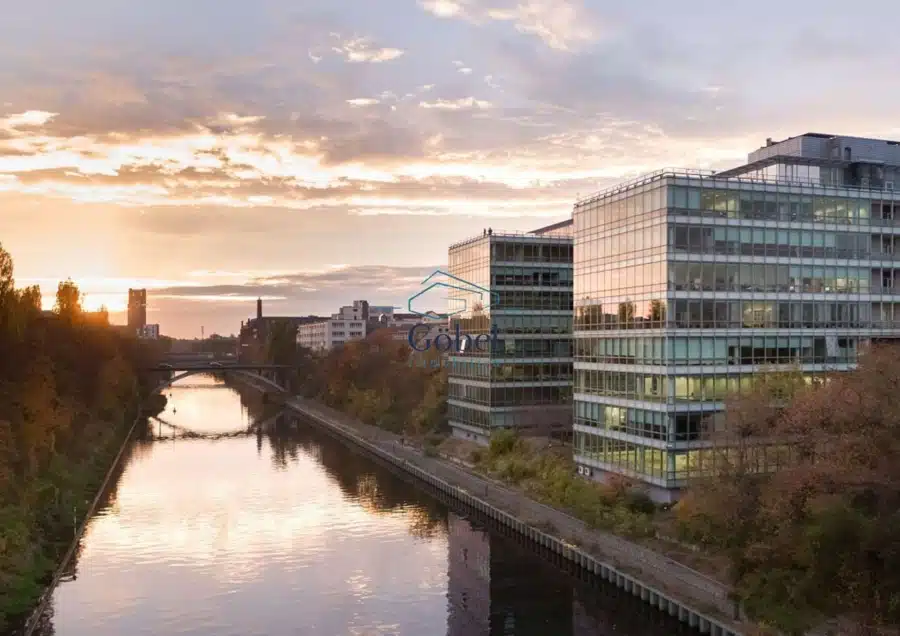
(210, 538)
(217, 538)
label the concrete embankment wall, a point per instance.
(687, 612)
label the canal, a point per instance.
(229, 518)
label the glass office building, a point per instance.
(523, 377)
(687, 283)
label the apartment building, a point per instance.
(348, 324)
(524, 379)
(687, 283)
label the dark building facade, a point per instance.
(137, 309)
(255, 331)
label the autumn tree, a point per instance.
(803, 495)
(68, 300)
(67, 389)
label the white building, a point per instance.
(148, 332)
(346, 325)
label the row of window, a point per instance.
(655, 388)
(508, 251)
(672, 466)
(772, 205)
(699, 239)
(637, 422)
(770, 278)
(780, 206)
(769, 314)
(521, 418)
(540, 372)
(530, 299)
(709, 313)
(512, 348)
(543, 348)
(502, 275)
(640, 239)
(510, 395)
(761, 350)
(533, 324)
(622, 207)
(736, 277)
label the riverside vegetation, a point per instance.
(69, 392)
(806, 531)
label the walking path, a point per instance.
(653, 568)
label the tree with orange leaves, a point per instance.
(815, 533)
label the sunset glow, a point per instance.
(308, 140)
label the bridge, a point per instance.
(178, 367)
(176, 432)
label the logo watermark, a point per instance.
(485, 296)
(420, 338)
(444, 342)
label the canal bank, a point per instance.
(33, 621)
(690, 596)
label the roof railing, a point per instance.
(541, 237)
(656, 175)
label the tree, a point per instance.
(7, 280)
(68, 299)
(30, 299)
(804, 496)
(65, 386)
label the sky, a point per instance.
(314, 153)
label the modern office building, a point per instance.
(687, 283)
(521, 286)
(137, 309)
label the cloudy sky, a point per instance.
(317, 152)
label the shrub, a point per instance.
(638, 501)
(503, 442)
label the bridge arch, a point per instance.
(256, 377)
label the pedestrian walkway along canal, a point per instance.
(232, 519)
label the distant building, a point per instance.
(256, 330)
(137, 309)
(375, 311)
(346, 325)
(525, 381)
(148, 332)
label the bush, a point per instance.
(638, 501)
(435, 439)
(503, 442)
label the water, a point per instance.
(281, 530)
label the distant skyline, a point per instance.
(314, 153)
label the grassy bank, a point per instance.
(38, 527)
(549, 477)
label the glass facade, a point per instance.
(523, 379)
(687, 285)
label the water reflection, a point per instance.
(243, 522)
